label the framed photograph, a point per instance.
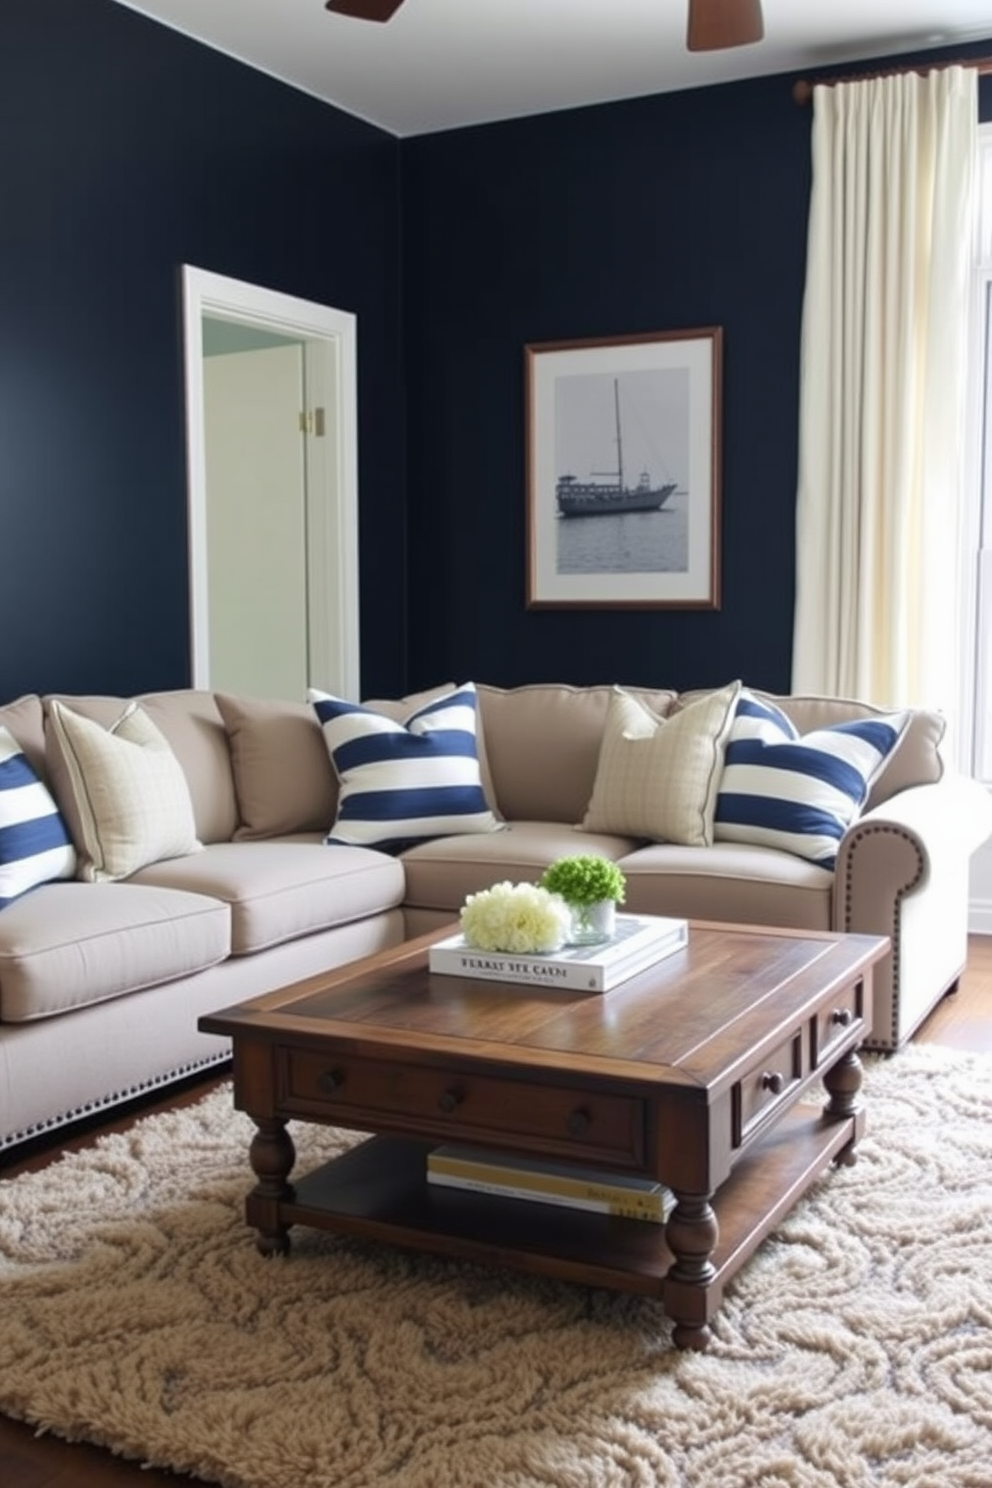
(623, 472)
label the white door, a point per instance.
(256, 522)
(328, 655)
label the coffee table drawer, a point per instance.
(769, 1083)
(452, 1105)
(836, 1022)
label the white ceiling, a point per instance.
(441, 64)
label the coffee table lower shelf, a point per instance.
(378, 1191)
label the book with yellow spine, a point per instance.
(510, 1176)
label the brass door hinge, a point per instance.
(312, 422)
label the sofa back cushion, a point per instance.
(191, 722)
(283, 776)
(916, 760)
(542, 744)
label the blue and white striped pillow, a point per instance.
(404, 782)
(798, 793)
(35, 846)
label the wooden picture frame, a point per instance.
(623, 471)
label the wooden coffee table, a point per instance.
(690, 1073)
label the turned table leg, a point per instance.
(691, 1235)
(842, 1082)
(272, 1156)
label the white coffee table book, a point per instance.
(638, 942)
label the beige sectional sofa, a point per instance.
(102, 983)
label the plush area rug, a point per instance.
(855, 1348)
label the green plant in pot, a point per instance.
(592, 887)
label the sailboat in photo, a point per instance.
(610, 496)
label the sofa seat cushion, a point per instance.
(67, 945)
(729, 881)
(441, 873)
(279, 891)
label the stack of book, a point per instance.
(513, 1177)
(639, 941)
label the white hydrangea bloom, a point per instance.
(516, 917)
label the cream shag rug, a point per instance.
(854, 1349)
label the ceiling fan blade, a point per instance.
(717, 24)
(364, 10)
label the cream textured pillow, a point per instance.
(128, 801)
(658, 777)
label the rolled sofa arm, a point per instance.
(902, 871)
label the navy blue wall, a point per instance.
(125, 151)
(678, 211)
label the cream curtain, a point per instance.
(883, 388)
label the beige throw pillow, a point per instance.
(282, 775)
(658, 777)
(123, 792)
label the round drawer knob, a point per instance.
(449, 1100)
(330, 1081)
(773, 1081)
(842, 1017)
(577, 1123)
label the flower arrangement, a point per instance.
(585, 879)
(592, 887)
(515, 917)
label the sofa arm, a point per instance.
(902, 871)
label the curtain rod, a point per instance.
(802, 89)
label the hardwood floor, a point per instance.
(962, 1021)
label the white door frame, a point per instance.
(331, 465)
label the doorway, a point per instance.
(273, 550)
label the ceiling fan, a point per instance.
(364, 10)
(713, 24)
